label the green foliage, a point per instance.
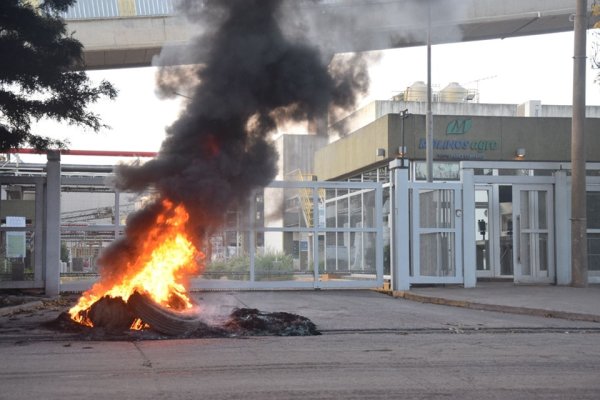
(273, 266)
(268, 267)
(41, 74)
(64, 252)
(386, 260)
(233, 268)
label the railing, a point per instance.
(306, 194)
(98, 9)
(342, 248)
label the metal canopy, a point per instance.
(130, 39)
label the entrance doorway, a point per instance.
(514, 232)
(533, 239)
(484, 225)
(493, 231)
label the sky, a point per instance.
(509, 71)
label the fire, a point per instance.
(166, 258)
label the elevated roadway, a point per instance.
(126, 33)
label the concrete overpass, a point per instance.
(127, 33)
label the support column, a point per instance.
(400, 232)
(52, 221)
(468, 228)
(562, 228)
(579, 251)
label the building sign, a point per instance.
(474, 145)
(460, 149)
(303, 245)
(15, 240)
(459, 126)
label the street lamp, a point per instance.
(402, 151)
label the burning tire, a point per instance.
(112, 314)
(162, 319)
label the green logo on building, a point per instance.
(459, 126)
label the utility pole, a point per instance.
(579, 251)
(429, 114)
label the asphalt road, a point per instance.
(332, 366)
(373, 347)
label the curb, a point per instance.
(497, 308)
(4, 311)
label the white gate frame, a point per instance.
(316, 229)
(417, 231)
(38, 232)
(46, 231)
(405, 229)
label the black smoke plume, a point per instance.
(219, 151)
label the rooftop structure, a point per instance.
(125, 33)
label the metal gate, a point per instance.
(293, 234)
(300, 234)
(436, 220)
(427, 230)
(22, 232)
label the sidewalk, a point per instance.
(581, 304)
(564, 302)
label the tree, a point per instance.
(595, 58)
(41, 74)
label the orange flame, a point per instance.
(138, 325)
(165, 259)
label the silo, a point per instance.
(416, 92)
(453, 93)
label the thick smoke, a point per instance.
(365, 25)
(176, 80)
(218, 151)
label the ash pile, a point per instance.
(142, 318)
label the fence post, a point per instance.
(468, 228)
(52, 234)
(562, 227)
(400, 232)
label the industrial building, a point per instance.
(347, 211)
(502, 169)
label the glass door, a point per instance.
(493, 231)
(483, 231)
(593, 233)
(533, 236)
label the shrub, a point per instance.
(269, 266)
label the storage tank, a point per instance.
(453, 93)
(416, 92)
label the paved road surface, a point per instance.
(373, 347)
(332, 366)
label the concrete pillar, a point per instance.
(562, 228)
(468, 228)
(579, 250)
(52, 231)
(400, 232)
(251, 249)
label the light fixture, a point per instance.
(401, 151)
(520, 153)
(380, 152)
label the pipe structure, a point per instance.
(579, 251)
